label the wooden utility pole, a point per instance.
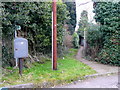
(54, 36)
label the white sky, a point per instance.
(88, 7)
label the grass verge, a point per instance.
(42, 75)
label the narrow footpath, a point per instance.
(108, 75)
(100, 68)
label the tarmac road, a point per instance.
(110, 81)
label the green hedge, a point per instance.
(35, 19)
(107, 14)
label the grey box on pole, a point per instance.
(20, 47)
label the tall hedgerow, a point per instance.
(35, 19)
(108, 15)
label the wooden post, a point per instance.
(54, 35)
(20, 65)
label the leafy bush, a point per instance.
(75, 40)
(94, 40)
(6, 57)
(94, 35)
(110, 55)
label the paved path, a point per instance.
(100, 68)
(99, 82)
